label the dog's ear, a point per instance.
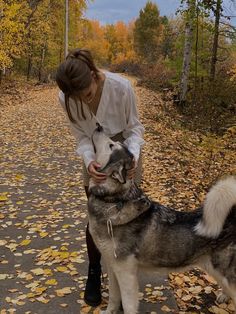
(120, 174)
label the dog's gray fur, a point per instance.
(133, 232)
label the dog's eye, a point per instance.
(111, 145)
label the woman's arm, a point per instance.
(84, 144)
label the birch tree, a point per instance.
(189, 27)
(217, 10)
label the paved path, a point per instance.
(43, 259)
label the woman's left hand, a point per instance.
(131, 172)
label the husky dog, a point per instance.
(133, 232)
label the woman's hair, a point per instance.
(74, 75)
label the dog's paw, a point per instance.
(222, 298)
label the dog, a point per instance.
(133, 232)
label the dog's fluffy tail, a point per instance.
(218, 204)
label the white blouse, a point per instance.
(117, 113)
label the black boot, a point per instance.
(92, 294)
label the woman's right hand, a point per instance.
(97, 176)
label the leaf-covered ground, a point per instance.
(43, 259)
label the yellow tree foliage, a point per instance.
(93, 38)
(120, 39)
(12, 31)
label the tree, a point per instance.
(94, 39)
(121, 43)
(189, 16)
(148, 32)
(167, 42)
(45, 38)
(218, 10)
(12, 31)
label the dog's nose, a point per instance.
(99, 127)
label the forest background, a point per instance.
(193, 53)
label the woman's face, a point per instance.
(88, 94)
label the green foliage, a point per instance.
(148, 32)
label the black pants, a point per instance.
(94, 255)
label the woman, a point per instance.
(88, 96)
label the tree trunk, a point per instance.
(196, 53)
(42, 62)
(29, 66)
(187, 50)
(215, 41)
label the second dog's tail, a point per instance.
(218, 204)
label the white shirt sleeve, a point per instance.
(134, 130)
(84, 144)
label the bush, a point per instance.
(157, 76)
(126, 67)
(154, 76)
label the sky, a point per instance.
(111, 11)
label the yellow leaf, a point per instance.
(43, 234)
(3, 198)
(74, 254)
(63, 305)
(62, 268)
(179, 281)
(43, 300)
(25, 242)
(187, 298)
(65, 226)
(78, 260)
(40, 290)
(48, 272)
(12, 246)
(51, 282)
(64, 248)
(12, 290)
(64, 255)
(19, 177)
(165, 308)
(20, 303)
(55, 253)
(216, 310)
(37, 271)
(63, 291)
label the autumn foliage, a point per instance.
(151, 46)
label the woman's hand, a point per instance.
(97, 176)
(131, 172)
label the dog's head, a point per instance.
(114, 158)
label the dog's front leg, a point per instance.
(114, 293)
(126, 272)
